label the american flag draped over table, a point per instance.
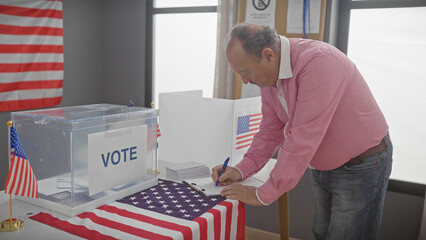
(247, 127)
(31, 54)
(167, 211)
(21, 179)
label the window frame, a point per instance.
(345, 7)
(151, 11)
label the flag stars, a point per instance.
(172, 199)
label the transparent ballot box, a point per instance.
(86, 156)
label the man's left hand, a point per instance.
(246, 194)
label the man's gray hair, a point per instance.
(254, 38)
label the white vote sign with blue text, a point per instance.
(116, 157)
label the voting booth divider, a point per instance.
(86, 156)
(206, 130)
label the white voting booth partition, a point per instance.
(206, 130)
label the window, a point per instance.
(390, 52)
(184, 46)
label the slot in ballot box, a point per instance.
(87, 156)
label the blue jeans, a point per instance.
(349, 200)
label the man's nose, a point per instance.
(245, 80)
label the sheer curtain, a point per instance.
(224, 77)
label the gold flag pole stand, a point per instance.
(11, 224)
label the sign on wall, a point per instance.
(261, 12)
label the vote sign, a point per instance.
(116, 157)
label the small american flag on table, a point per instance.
(167, 211)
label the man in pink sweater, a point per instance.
(319, 113)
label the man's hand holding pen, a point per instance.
(231, 175)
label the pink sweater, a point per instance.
(321, 108)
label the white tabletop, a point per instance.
(32, 229)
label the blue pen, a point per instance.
(223, 169)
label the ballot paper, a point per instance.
(186, 170)
(207, 188)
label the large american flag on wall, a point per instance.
(31, 54)
(169, 210)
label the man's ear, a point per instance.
(268, 54)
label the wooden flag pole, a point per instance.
(11, 224)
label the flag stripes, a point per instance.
(11, 40)
(31, 48)
(30, 85)
(24, 58)
(25, 21)
(30, 67)
(247, 127)
(31, 103)
(31, 95)
(124, 221)
(20, 179)
(69, 227)
(186, 231)
(16, 30)
(158, 131)
(31, 76)
(36, 11)
(10, 48)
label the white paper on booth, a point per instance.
(195, 129)
(116, 157)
